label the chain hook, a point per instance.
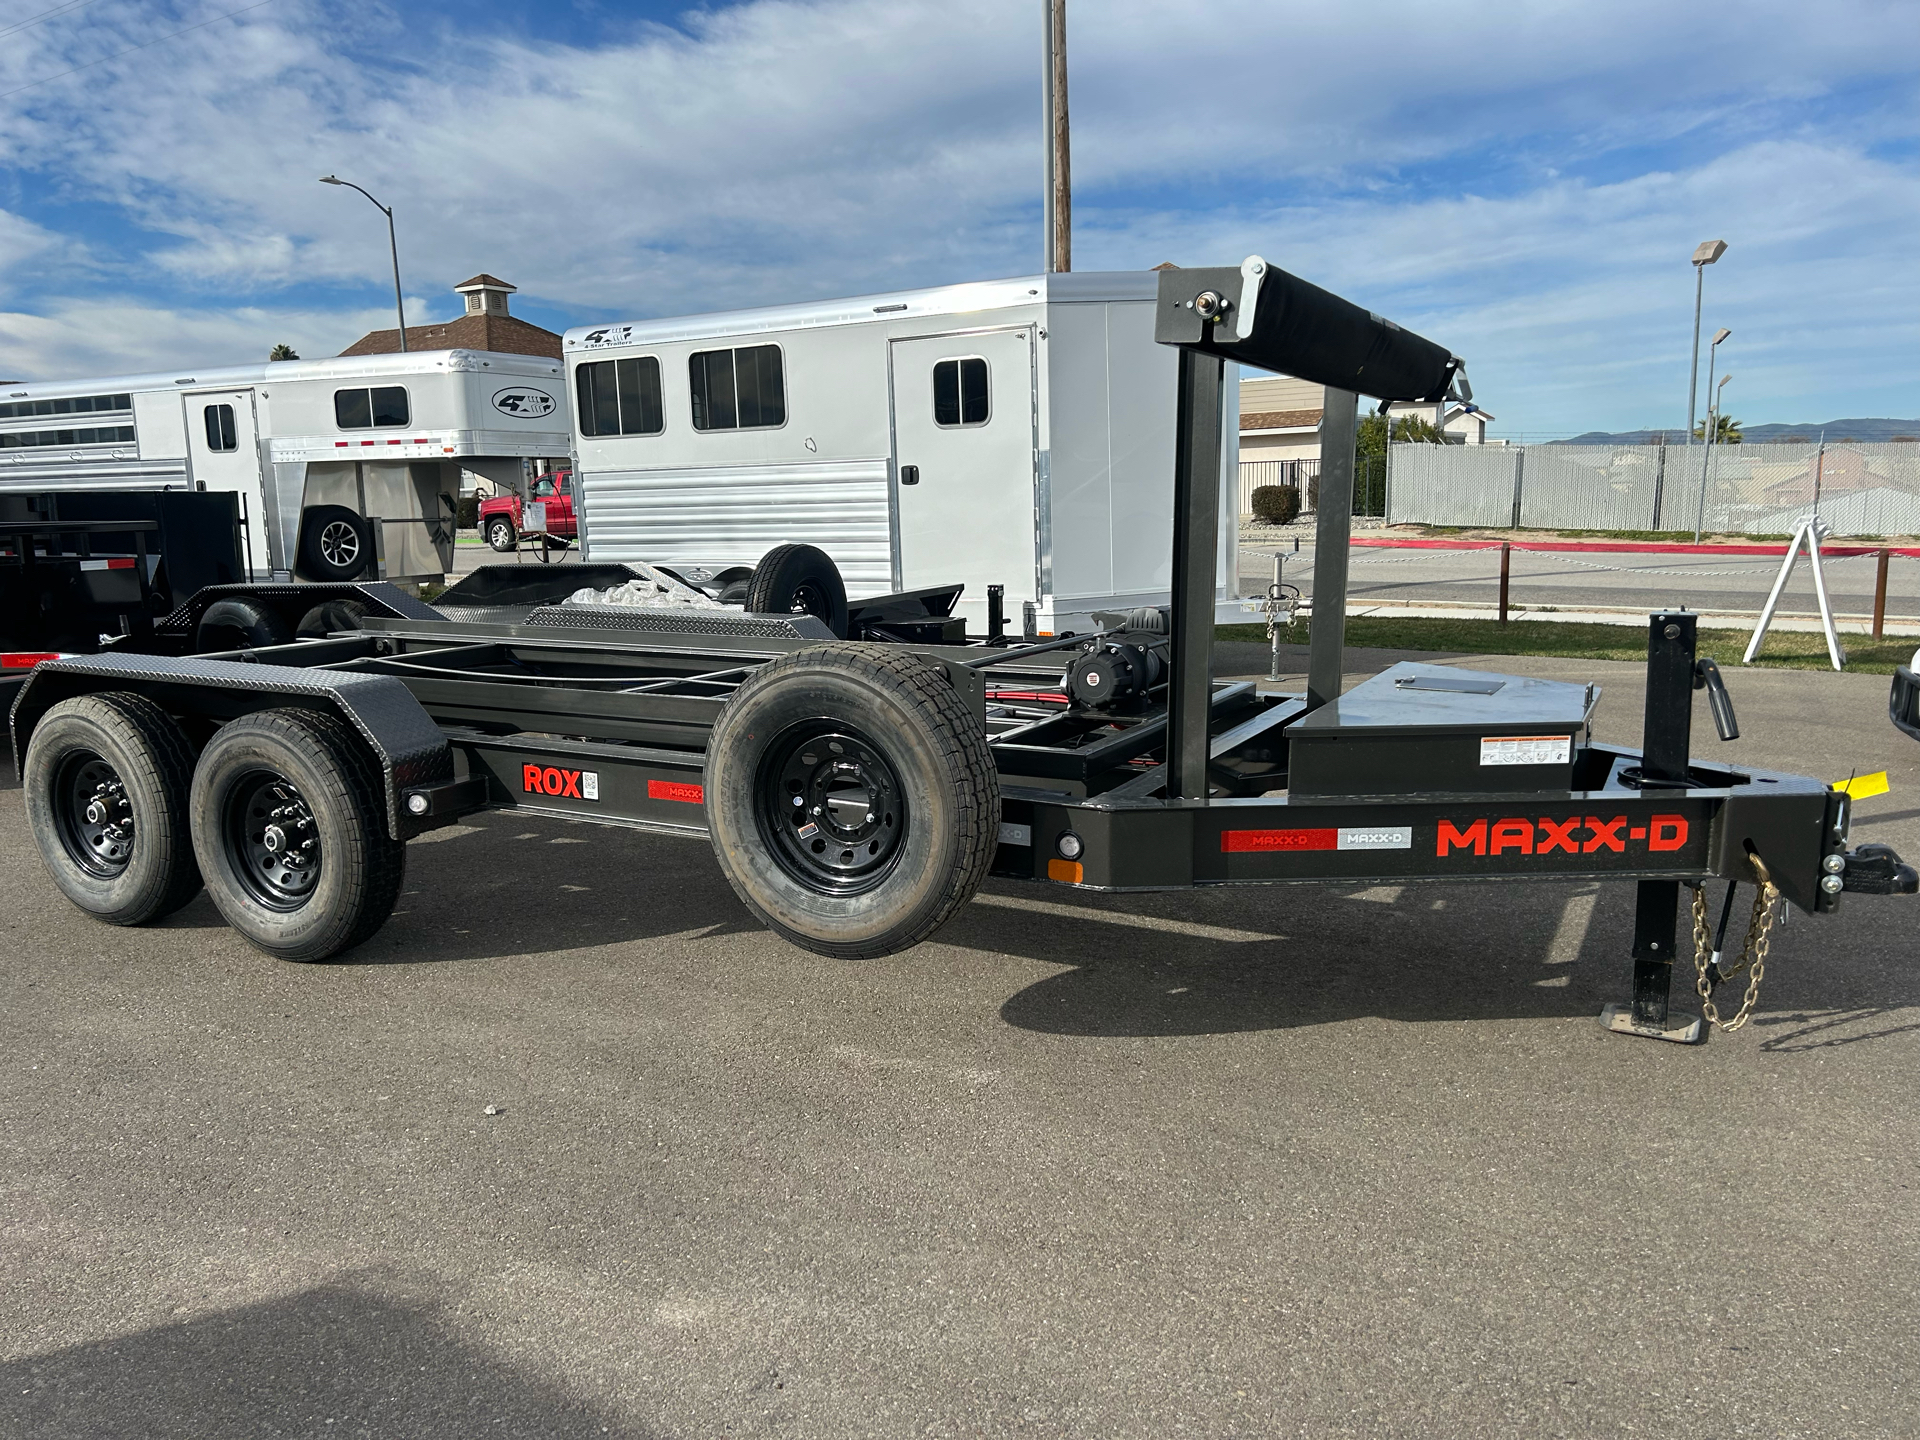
(1753, 953)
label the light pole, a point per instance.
(1704, 255)
(394, 245)
(1712, 425)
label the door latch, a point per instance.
(909, 474)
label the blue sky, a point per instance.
(1523, 181)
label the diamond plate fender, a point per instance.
(411, 751)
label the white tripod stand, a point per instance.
(1812, 530)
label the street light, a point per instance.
(394, 246)
(1704, 255)
(1712, 427)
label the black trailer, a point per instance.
(856, 791)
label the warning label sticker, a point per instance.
(1374, 837)
(1526, 749)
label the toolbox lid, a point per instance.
(1443, 698)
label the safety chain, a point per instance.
(1753, 954)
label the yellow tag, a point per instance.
(1863, 786)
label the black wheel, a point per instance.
(235, 623)
(852, 800)
(796, 580)
(334, 544)
(330, 617)
(289, 823)
(107, 779)
(500, 533)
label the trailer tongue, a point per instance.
(857, 791)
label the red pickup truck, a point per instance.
(500, 517)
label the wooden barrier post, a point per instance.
(1880, 597)
(1506, 562)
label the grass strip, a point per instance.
(1784, 650)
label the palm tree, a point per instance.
(1726, 430)
(283, 352)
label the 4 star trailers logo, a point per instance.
(1516, 835)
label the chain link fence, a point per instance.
(1863, 490)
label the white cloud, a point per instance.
(1479, 171)
(111, 335)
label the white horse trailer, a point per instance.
(316, 449)
(1012, 432)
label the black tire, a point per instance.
(908, 803)
(330, 616)
(236, 623)
(500, 533)
(334, 544)
(284, 783)
(799, 579)
(107, 781)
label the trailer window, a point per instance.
(741, 389)
(220, 434)
(70, 405)
(101, 435)
(620, 397)
(379, 407)
(960, 392)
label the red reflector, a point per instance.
(396, 442)
(25, 659)
(1234, 842)
(340, 444)
(681, 790)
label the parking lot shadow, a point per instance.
(502, 885)
(333, 1360)
(1315, 955)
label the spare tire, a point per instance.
(851, 797)
(236, 623)
(799, 580)
(335, 544)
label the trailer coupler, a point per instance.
(1872, 869)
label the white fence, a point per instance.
(1298, 474)
(1867, 490)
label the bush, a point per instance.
(467, 513)
(1275, 504)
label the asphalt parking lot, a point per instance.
(1319, 1161)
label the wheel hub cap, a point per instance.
(833, 810)
(340, 543)
(273, 841)
(96, 818)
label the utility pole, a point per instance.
(1059, 197)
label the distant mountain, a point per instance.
(1865, 431)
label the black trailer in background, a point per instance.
(60, 588)
(860, 768)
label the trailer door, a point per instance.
(963, 462)
(224, 454)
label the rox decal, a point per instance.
(564, 784)
(1576, 835)
(559, 783)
